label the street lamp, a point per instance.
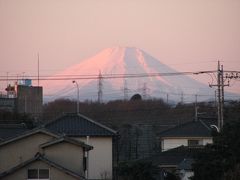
(214, 126)
(75, 82)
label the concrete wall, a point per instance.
(55, 174)
(29, 100)
(68, 155)
(170, 143)
(100, 158)
(21, 150)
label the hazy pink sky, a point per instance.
(185, 34)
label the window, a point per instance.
(43, 173)
(193, 142)
(32, 174)
(36, 174)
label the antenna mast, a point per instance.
(38, 68)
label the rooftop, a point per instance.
(78, 125)
(40, 157)
(200, 128)
(11, 130)
(175, 156)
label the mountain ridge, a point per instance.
(127, 60)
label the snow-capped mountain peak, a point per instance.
(123, 60)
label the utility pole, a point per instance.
(100, 87)
(75, 82)
(220, 94)
(215, 100)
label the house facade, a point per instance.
(194, 133)
(180, 144)
(100, 137)
(40, 154)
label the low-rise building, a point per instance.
(41, 154)
(80, 127)
(194, 133)
(23, 98)
(179, 145)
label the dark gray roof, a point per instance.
(78, 125)
(39, 157)
(175, 156)
(29, 133)
(11, 130)
(198, 128)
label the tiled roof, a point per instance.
(40, 157)
(11, 130)
(78, 125)
(198, 128)
(29, 133)
(175, 156)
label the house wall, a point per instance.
(68, 155)
(100, 158)
(170, 143)
(21, 150)
(55, 174)
(207, 141)
(173, 143)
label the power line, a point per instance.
(105, 76)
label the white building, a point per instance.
(179, 144)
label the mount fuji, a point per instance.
(122, 61)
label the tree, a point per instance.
(140, 170)
(221, 160)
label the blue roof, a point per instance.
(78, 125)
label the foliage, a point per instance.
(221, 160)
(137, 122)
(12, 117)
(140, 170)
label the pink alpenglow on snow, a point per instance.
(124, 60)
